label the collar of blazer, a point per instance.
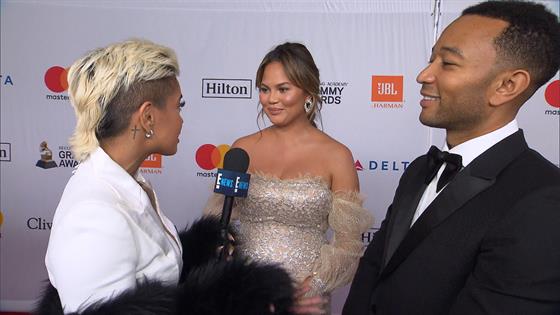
(480, 174)
(126, 187)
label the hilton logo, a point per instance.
(227, 88)
(367, 236)
(5, 152)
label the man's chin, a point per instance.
(429, 122)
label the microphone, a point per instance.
(231, 181)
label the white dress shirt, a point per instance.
(469, 151)
(106, 236)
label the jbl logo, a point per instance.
(152, 161)
(386, 88)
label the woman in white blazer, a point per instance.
(108, 230)
(111, 248)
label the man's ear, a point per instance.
(508, 86)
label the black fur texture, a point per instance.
(209, 286)
(237, 287)
(200, 243)
(148, 298)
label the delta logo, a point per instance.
(6, 80)
(152, 164)
(382, 165)
(210, 157)
(552, 97)
(387, 91)
(56, 80)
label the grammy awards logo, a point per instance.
(46, 160)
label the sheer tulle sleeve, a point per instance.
(339, 259)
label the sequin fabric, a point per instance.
(285, 221)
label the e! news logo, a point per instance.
(227, 88)
(56, 81)
(232, 183)
(5, 152)
(552, 97)
(387, 91)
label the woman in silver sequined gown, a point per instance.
(303, 182)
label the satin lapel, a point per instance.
(403, 209)
(455, 195)
(472, 180)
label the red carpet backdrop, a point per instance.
(368, 52)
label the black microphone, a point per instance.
(231, 181)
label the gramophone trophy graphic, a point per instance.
(46, 160)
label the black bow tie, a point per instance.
(436, 158)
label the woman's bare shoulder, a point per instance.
(333, 148)
(250, 141)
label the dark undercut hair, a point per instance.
(119, 111)
(531, 41)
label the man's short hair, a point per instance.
(530, 42)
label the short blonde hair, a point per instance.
(108, 85)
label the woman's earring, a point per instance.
(308, 106)
(149, 134)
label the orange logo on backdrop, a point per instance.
(152, 161)
(387, 88)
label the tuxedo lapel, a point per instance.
(404, 207)
(478, 176)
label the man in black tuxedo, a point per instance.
(488, 241)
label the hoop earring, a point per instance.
(308, 106)
(149, 134)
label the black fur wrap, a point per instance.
(207, 286)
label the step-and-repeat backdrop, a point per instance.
(368, 52)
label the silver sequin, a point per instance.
(284, 221)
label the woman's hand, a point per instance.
(313, 305)
(230, 247)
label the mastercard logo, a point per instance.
(209, 156)
(56, 79)
(552, 94)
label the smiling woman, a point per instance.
(303, 182)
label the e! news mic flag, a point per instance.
(231, 181)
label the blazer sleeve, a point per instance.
(518, 268)
(91, 255)
(339, 258)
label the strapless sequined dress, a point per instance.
(285, 221)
